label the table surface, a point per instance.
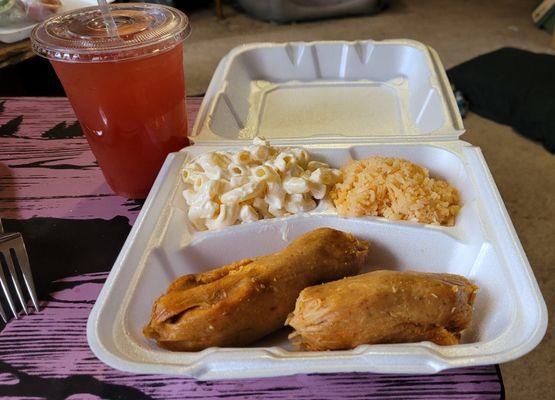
(52, 191)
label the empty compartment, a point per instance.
(333, 89)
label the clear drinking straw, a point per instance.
(108, 19)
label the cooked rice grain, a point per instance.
(396, 189)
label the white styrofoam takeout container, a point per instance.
(342, 101)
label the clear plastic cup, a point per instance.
(128, 91)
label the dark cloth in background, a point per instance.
(513, 87)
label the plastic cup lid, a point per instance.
(81, 35)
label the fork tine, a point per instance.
(15, 280)
(23, 261)
(3, 314)
(4, 284)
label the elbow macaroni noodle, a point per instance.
(257, 182)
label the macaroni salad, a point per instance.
(259, 181)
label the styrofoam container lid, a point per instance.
(329, 91)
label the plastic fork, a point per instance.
(14, 255)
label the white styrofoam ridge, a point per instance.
(324, 91)
(510, 315)
(394, 100)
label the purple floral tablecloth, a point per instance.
(52, 191)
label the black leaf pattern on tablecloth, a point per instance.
(63, 131)
(44, 164)
(62, 388)
(59, 245)
(2, 106)
(10, 128)
(134, 204)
